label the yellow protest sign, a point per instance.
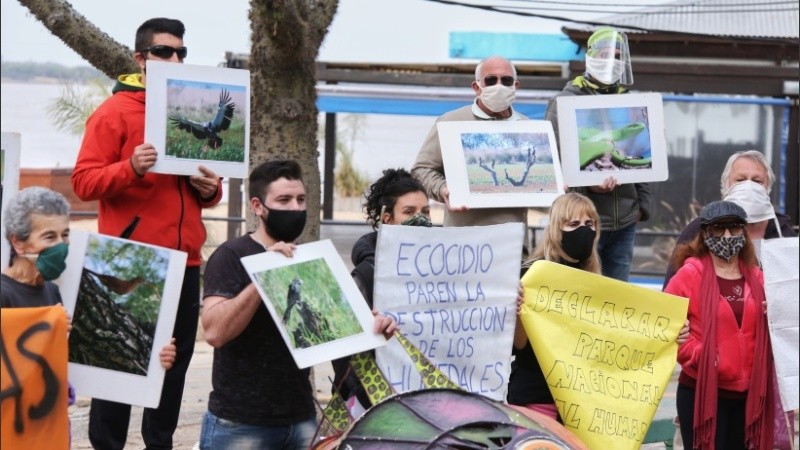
(607, 349)
(33, 399)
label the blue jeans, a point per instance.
(616, 252)
(221, 434)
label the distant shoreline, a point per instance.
(39, 80)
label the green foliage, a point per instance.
(349, 181)
(320, 291)
(126, 261)
(182, 144)
(29, 71)
(73, 107)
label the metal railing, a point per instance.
(531, 239)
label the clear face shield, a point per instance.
(608, 59)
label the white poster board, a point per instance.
(779, 260)
(315, 303)
(9, 159)
(122, 296)
(198, 115)
(453, 294)
(612, 135)
(499, 164)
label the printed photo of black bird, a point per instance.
(208, 130)
(308, 323)
(308, 303)
(205, 121)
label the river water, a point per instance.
(385, 140)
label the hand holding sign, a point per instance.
(615, 352)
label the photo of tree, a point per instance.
(613, 138)
(119, 298)
(508, 162)
(205, 121)
(309, 302)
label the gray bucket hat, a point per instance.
(716, 211)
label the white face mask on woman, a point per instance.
(497, 97)
(753, 198)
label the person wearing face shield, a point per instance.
(747, 181)
(621, 206)
(495, 89)
(396, 198)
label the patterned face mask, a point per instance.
(418, 220)
(725, 247)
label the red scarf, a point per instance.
(759, 406)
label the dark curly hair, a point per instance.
(384, 193)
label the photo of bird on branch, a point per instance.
(119, 298)
(205, 121)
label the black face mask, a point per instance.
(284, 224)
(578, 243)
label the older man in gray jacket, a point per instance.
(495, 88)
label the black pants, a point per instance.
(730, 420)
(108, 421)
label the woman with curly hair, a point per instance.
(395, 199)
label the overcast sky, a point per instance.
(362, 31)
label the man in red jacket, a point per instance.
(165, 210)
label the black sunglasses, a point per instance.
(165, 51)
(491, 80)
(718, 229)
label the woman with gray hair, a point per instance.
(37, 229)
(747, 181)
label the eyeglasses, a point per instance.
(718, 229)
(165, 51)
(491, 80)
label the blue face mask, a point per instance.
(52, 261)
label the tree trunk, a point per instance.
(286, 36)
(106, 335)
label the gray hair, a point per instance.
(480, 66)
(29, 201)
(754, 155)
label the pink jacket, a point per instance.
(735, 346)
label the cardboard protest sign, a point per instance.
(452, 291)
(779, 259)
(607, 349)
(33, 342)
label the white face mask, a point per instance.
(753, 198)
(605, 70)
(497, 98)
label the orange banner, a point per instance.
(33, 378)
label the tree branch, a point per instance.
(96, 47)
